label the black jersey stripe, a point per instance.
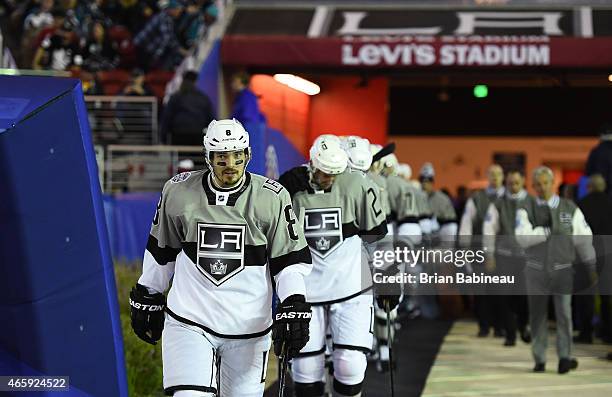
(169, 391)
(408, 219)
(210, 331)
(374, 234)
(443, 221)
(280, 262)
(331, 302)
(161, 255)
(349, 230)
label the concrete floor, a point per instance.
(471, 366)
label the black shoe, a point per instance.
(483, 333)
(609, 356)
(526, 336)
(587, 339)
(565, 364)
(499, 333)
(509, 342)
(539, 367)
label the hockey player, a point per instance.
(222, 235)
(341, 209)
(360, 160)
(444, 224)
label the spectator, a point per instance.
(59, 51)
(59, 17)
(90, 82)
(157, 43)
(40, 17)
(135, 116)
(597, 209)
(137, 85)
(189, 24)
(89, 12)
(600, 158)
(37, 20)
(132, 14)
(245, 108)
(98, 51)
(187, 113)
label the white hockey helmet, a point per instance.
(390, 160)
(225, 136)
(404, 170)
(375, 148)
(427, 171)
(326, 155)
(358, 151)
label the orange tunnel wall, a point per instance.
(464, 160)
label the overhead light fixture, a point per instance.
(298, 83)
(610, 78)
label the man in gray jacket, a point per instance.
(550, 251)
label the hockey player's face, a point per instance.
(228, 167)
(427, 186)
(323, 180)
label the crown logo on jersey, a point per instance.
(323, 244)
(218, 268)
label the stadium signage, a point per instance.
(413, 37)
(446, 55)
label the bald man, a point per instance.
(470, 233)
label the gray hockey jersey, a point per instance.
(222, 247)
(381, 182)
(442, 208)
(407, 202)
(335, 223)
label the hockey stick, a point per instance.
(390, 148)
(283, 369)
(390, 343)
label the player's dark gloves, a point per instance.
(387, 293)
(291, 325)
(147, 313)
(295, 180)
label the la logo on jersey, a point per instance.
(323, 230)
(220, 251)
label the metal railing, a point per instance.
(136, 168)
(126, 120)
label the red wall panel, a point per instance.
(345, 107)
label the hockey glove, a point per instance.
(147, 313)
(387, 292)
(291, 325)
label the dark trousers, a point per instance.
(512, 305)
(514, 314)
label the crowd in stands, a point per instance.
(93, 36)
